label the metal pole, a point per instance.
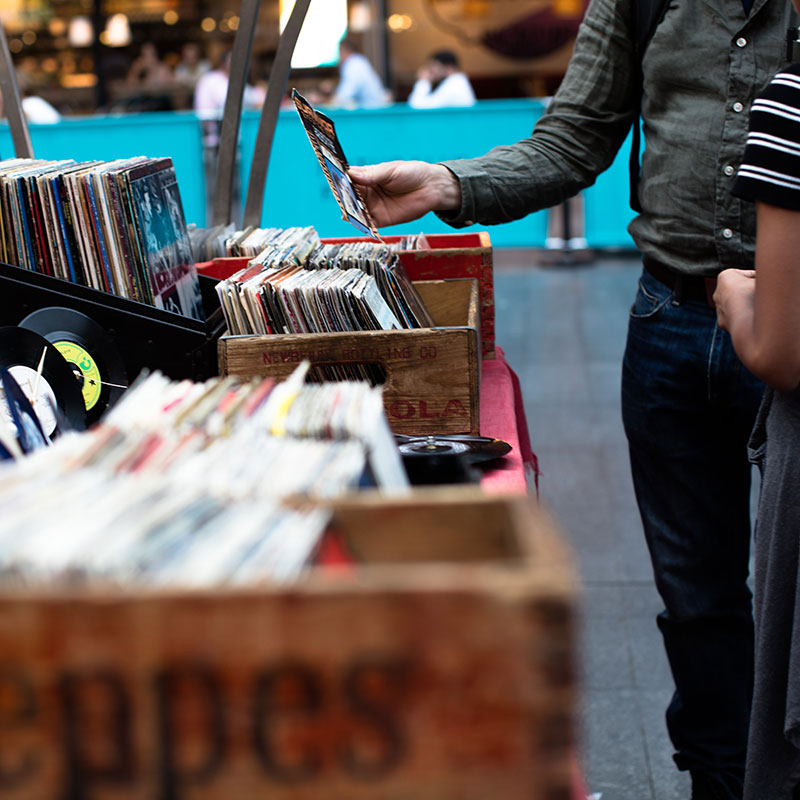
(278, 81)
(12, 102)
(229, 132)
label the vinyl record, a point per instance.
(476, 448)
(86, 347)
(21, 352)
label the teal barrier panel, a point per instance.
(174, 134)
(606, 205)
(296, 191)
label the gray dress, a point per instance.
(773, 754)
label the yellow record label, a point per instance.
(92, 382)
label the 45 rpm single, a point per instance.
(476, 448)
(21, 353)
(95, 361)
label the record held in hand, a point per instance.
(477, 449)
(21, 353)
(96, 362)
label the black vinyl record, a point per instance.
(476, 449)
(94, 359)
(21, 353)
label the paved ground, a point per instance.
(563, 331)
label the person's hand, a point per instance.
(401, 191)
(734, 294)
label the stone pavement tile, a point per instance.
(633, 556)
(604, 646)
(554, 383)
(614, 757)
(668, 782)
(604, 383)
(570, 427)
(650, 666)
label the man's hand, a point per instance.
(401, 191)
(734, 296)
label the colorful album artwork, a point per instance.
(322, 135)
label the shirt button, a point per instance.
(741, 41)
(469, 222)
(727, 233)
(738, 107)
(729, 170)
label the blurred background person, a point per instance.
(359, 85)
(148, 69)
(210, 93)
(192, 65)
(212, 89)
(440, 83)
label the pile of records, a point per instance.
(181, 484)
(116, 226)
(297, 285)
(224, 241)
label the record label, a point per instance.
(39, 393)
(79, 357)
(92, 357)
(40, 373)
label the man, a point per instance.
(688, 404)
(441, 83)
(359, 85)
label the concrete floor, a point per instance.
(563, 331)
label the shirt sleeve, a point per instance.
(349, 83)
(455, 90)
(420, 96)
(770, 168)
(576, 139)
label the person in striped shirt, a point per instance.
(762, 315)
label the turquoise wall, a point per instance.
(296, 192)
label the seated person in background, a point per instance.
(359, 84)
(148, 69)
(212, 89)
(192, 65)
(441, 83)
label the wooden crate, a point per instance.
(447, 255)
(438, 668)
(432, 374)
(453, 255)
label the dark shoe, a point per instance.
(704, 787)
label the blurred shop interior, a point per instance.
(117, 56)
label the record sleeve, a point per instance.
(322, 134)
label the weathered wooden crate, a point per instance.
(432, 374)
(445, 256)
(439, 667)
(454, 255)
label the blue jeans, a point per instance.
(688, 407)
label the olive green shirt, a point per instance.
(704, 65)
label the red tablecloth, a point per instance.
(503, 417)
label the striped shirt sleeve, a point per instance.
(770, 169)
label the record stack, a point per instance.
(297, 285)
(115, 226)
(182, 483)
